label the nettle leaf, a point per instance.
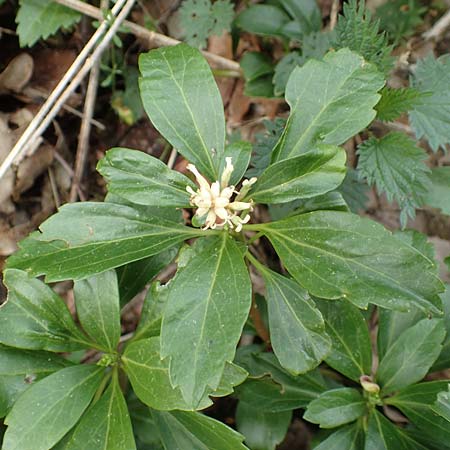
(347, 88)
(266, 20)
(86, 238)
(396, 166)
(350, 437)
(183, 102)
(262, 430)
(356, 30)
(417, 403)
(383, 434)
(351, 349)
(336, 407)
(335, 255)
(206, 310)
(189, 430)
(297, 329)
(50, 408)
(316, 172)
(144, 179)
(438, 195)
(35, 318)
(106, 424)
(41, 18)
(98, 309)
(394, 102)
(411, 356)
(442, 404)
(431, 118)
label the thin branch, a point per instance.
(334, 14)
(152, 38)
(438, 28)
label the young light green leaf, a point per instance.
(192, 430)
(335, 254)
(41, 18)
(297, 329)
(50, 408)
(182, 100)
(411, 356)
(35, 318)
(396, 166)
(144, 179)
(336, 407)
(350, 437)
(266, 20)
(199, 329)
(438, 195)
(105, 425)
(351, 350)
(262, 430)
(316, 172)
(431, 118)
(395, 102)
(97, 302)
(83, 239)
(442, 404)
(348, 89)
(383, 434)
(240, 153)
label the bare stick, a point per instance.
(156, 39)
(172, 159)
(334, 14)
(438, 28)
(46, 113)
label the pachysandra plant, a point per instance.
(183, 351)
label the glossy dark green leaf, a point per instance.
(144, 427)
(182, 430)
(143, 179)
(105, 425)
(262, 430)
(330, 100)
(267, 20)
(340, 255)
(350, 437)
(183, 102)
(206, 310)
(351, 349)
(316, 172)
(384, 435)
(240, 153)
(34, 317)
(97, 302)
(50, 408)
(417, 402)
(83, 239)
(411, 356)
(336, 407)
(297, 329)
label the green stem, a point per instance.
(255, 237)
(103, 384)
(255, 262)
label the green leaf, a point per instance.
(297, 329)
(443, 362)
(50, 408)
(431, 118)
(97, 302)
(395, 102)
(144, 179)
(266, 20)
(306, 14)
(411, 356)
(199, 329)
(396, 166)
(258, 71)
(442, 404)
(356, 30)
(348, 93)
(355, 191)
(384, 435)
(41, 18)
(144, 427)
(182, 100)
(439, 194)
(180, 430)
(35, 318)
(86, 238)
(316, 172)
(283, 70)
(351, 349)
(336, 407)
(335, 255)
(417, 403)
(106, 424)
(240, 153)
(262, 430)
(350, 437)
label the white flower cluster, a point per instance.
(214, 201)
